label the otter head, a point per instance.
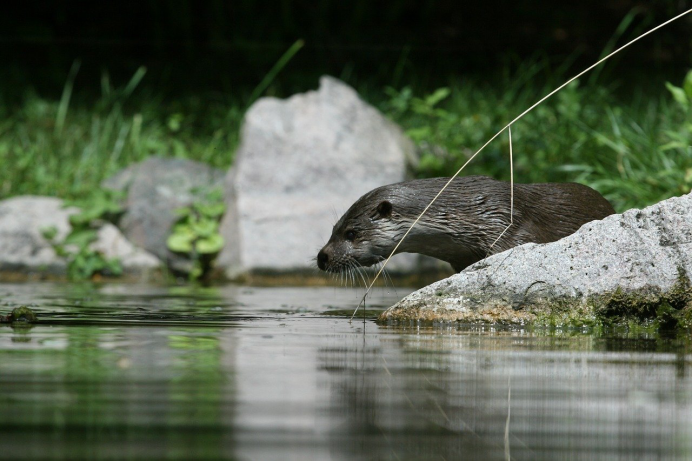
(365, 235)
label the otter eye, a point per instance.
(350, 235)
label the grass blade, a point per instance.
(278, 66)
(65, 98)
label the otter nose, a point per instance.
(322, 260)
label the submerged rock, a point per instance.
(22, 314)
(633, 265)
(155, 188)
(301, 163)
(23, 248)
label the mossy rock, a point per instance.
(22, 314)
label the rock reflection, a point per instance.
(437, 394)
(388, 409)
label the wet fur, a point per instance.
(462, 223)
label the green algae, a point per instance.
(647, 311)
(649, 307)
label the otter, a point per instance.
(462, 224)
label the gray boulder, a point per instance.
(633, 264)
(155, 188)
(113, 244)
(301, 163)
(24, 249)
(22, 246)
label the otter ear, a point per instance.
(384, 209)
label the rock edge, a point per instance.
(636, 265)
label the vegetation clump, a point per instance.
(635, 153)
(67, 146)
(196, 233)
(83, 261)
(632, 144)
(670, 310)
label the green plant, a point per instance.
(196, 233)
(83, 261)
(66, 146)
(633, 148)
(650, 156)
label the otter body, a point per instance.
(462, 224)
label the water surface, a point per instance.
(123, 371)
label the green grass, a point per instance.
(635, 148)
(66, 147)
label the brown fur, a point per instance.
(461, 224)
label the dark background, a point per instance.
(228, 46)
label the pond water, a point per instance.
(233, 372)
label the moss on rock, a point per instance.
(21, 314)
(648, 308)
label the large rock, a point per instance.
(22, 246)
(113, 244)
(634, 264)
(155, 188)
(301, 163)
(24, 249)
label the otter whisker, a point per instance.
(344, 269)
(359, 270)
(364, 276)
(349, 275)
(385, 274)
(351, 272)
(349, 267)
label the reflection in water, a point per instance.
(253, 373)
(114, 393)
(454, 389)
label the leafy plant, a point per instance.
(83, 262)
(434, 127)
(681, 138)
(650, 157)
(196, 233)
(682, 94)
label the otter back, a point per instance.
(462, 224)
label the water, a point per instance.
(122, 371)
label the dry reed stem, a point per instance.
(512, 188)
(605, 58)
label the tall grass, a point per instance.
(636, 150)
(65, 147)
